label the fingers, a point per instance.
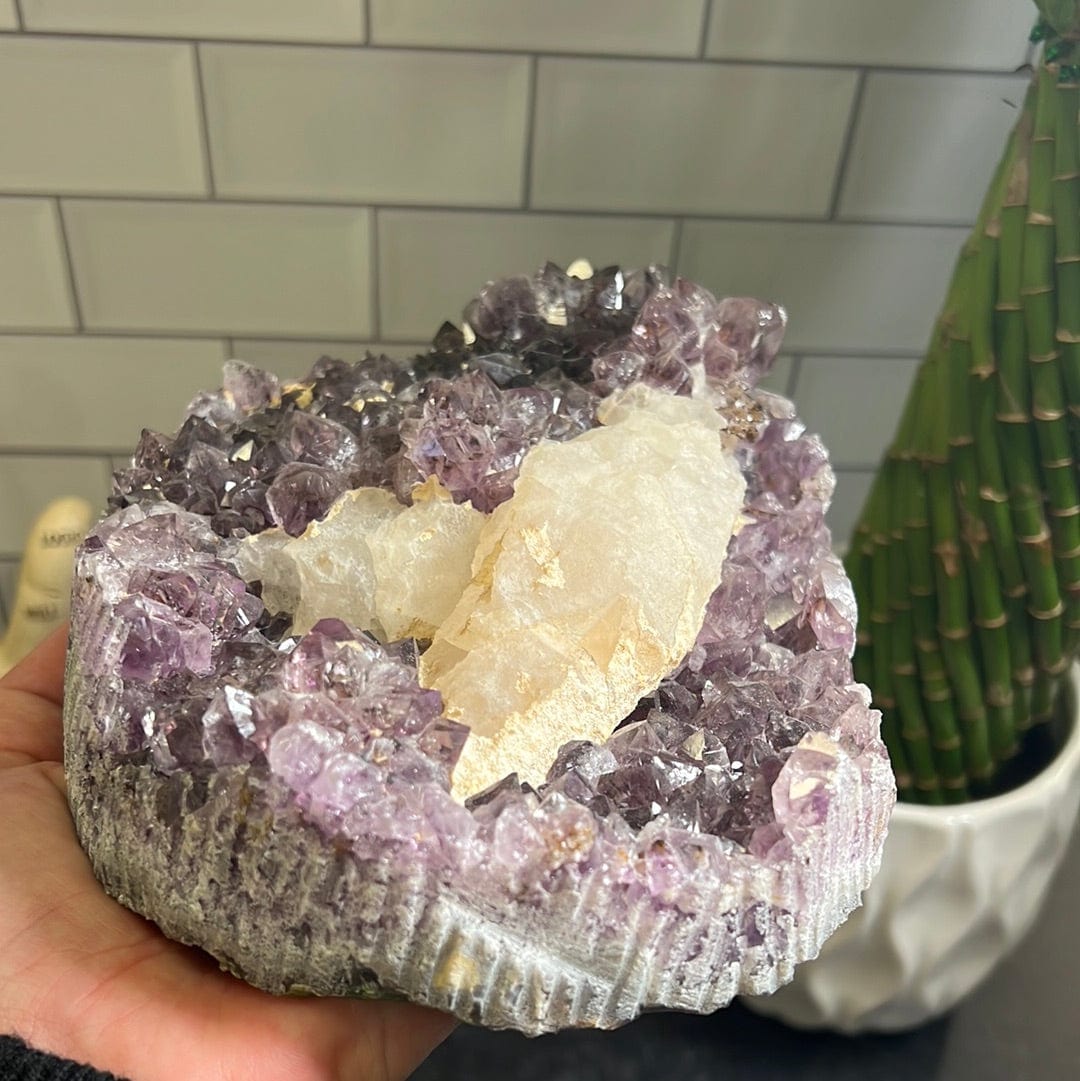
(42, 672)
(31, 728)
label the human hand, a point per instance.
(84, 978)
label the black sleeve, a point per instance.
(18, 1062)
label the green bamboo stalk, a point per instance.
(915, 732)
(934, 681)
(881, 653)
(1013, 418)
(917, 626)
(1058, 472)
(1066, 196)
(993, 492)
(976, 549)
(953, 604)
(911, 720)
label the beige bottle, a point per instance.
(43, 593)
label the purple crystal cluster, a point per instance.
(719, 776)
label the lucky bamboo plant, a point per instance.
(966, 558)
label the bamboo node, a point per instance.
(903, 670)
(1034, 540)
(1044, 358)
(1036, 290)
(1036, 217)
(954, 634)
(1051, 613)
(1008, 306)
(993, 623)
(1012, 418)
(1069, 337)
(1066, 176)
(1061, 260)
(1064, 512)
(1059, 463)
(1017, 591)
(922, 591)
(990, 495)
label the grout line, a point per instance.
(570, 54)
(19, 15)
(793, 377)
(76, 306)
(91, 333)
(230, 346)
(847, 467)
(87, 453)
(846, 146)
(204, 122)
(706, 19)
(365, 6)
(286, 203)
(376, 274)
(676, 246)
(530, 133)
(106, 465)
(838, 353)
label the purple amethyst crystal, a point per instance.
(296, 788)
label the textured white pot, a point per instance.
(958, 888)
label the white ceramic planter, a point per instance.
(958, 888)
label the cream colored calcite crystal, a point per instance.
(380, 566)
(588, 586)
(422, 560)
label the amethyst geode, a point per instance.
(282, 796)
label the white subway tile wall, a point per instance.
(425, 256)
(101, 392)
(925, 145)
(274, 180)
(101, 117)
(367, 126)
(910, 33)
(271, 20)
(629, 27)
(221, 268)
(874, 393)
(34, 293)
(849, 288)
(700, 141)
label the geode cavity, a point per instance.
(513, 678)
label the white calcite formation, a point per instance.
(589, 585)
(377, 565)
